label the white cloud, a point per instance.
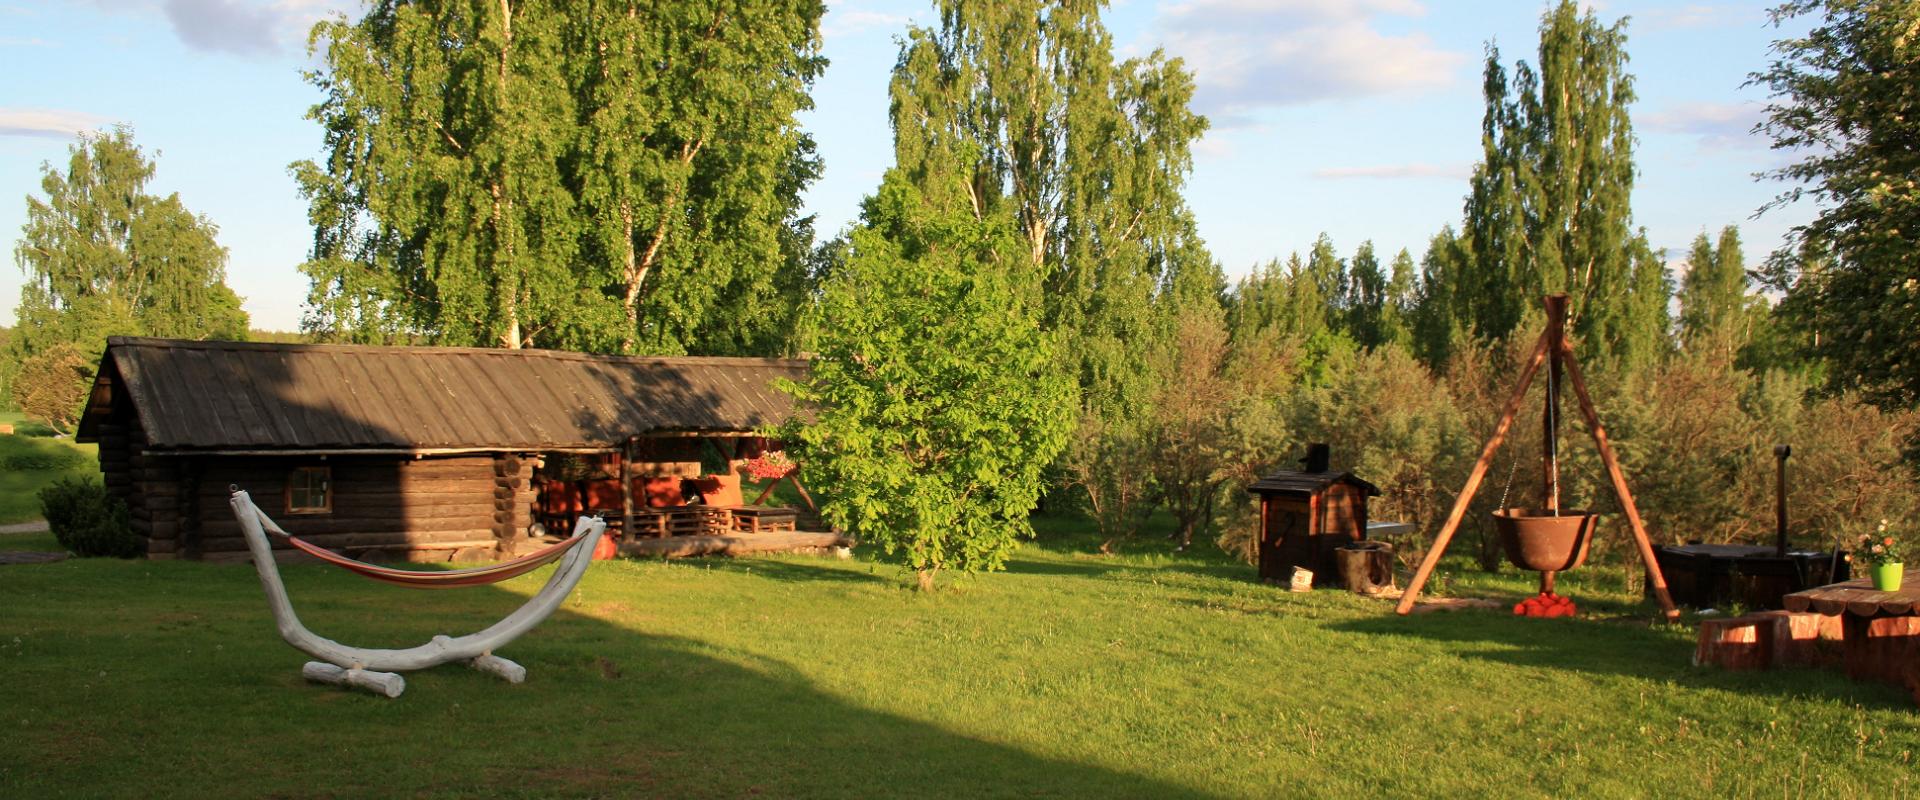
(1715, 125)
(853, 21)
(1253, 54)
(248, 27)
(55, 123)
(254, 28)
(1397, 171)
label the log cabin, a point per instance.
(406, 453)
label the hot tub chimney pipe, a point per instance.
(1319, 457)
(1780, 453)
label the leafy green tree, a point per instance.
(1550, 208)
(1367, 298)
(1331, 280)
(1439, 318)
(105, 257)
(52, 385)
(439, 207)
(1020, 108)
(1189, 418)
(536, 175)
(1282, 299)
(1713, 294)
(1644, 336)
(688, 164)
(939, 399)
(1403, 297)
(1844, 103)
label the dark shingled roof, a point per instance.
(1307, 483)
(193, 395)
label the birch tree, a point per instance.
(602, 175)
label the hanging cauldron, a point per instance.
(1539, 540)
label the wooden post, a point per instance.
(802, 489)
(626, 488)
(1550, 419)
(1780, 453)
(1479, 473)
(1619, 480)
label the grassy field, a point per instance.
(31, 458)
(1151, 674)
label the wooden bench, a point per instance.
(678, 521)
(763, 519)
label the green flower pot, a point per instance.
(1886, 577)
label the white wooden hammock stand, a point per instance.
(377, 670)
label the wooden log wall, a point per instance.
(513, 497)
(430, 509)
(119, 462)
(156, 490)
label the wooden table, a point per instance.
(1880, 631)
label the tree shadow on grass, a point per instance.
(217, 707)
(1628, 647)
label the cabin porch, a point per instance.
(683, 494)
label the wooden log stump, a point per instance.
(1803, 640)
(1366, 567)
(1881, 648)
(1740, 643)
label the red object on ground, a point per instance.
(1545, 606)
(606, 549)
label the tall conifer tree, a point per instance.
(1713, 295)
(1550, 206)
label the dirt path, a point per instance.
(36, 526)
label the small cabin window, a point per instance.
(310, 490)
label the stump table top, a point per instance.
(1856, 597)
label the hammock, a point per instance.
(429, 579)
(374, 669)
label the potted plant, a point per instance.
(1879, 553)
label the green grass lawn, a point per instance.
(1151, 674)
(31, 458)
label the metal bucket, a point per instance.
(1538, 540)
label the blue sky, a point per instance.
(1359, 118)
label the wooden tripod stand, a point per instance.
(1553, 350)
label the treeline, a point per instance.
(1025, 305)
(1039, 180)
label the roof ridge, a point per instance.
(294, 347)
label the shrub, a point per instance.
(87, 520)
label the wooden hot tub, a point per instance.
(1757, 577)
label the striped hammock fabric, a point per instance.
(430, 579)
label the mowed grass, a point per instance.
(1151, 674)
(30, 458)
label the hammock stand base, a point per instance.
(391, 684)
(377, 670)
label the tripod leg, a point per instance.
(1474, 478)
(1619, 479)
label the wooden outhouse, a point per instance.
(416, 453)
(1305, 515)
